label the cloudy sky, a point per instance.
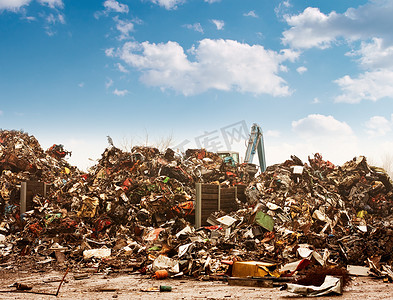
(317, 76)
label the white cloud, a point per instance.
(212, 1)
(251, 13)
(125, 27)
(283, 68)
(168, 4)
(108, 83)
(219, 24)
(371, 86)
(322, 134)
(301, 70)
(109, 52)
(13, 5)
(311, 29)
(120, 93)
(112, 6)
(49, 31)
(378, 126)
(316, 100)
(115, 6)
(371, 25)
(197, 27)
(61, 18)
(316, 125)
(374, 54)
(286, 3)
(282, 8)
(81, 84)
(218, 64)
(52, 3)
(30, 18)
(53, 19)
(121, 68)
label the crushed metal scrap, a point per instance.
(135, 211)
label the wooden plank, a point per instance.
(225, 208)
(228, 191)
(209, 200)
(204, 217)
(28, 190)
(23, 198)
(241, 192)
(210, 189)
(227, 198)
(208, 185)
(228, 209)
(209, 204)
(213, 198)
(209, 197)
(207, 214)
(228, 201)
(198, 205)
(219, 197)
(228, 206)
(228, 194)
(210, 192)
(208, 211)
(209, 208)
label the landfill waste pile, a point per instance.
(134, 212)
(126, 201)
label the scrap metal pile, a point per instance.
(340, 215)
(134, 211)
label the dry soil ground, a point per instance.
(100, 286)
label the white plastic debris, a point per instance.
(297, 169)
(358, 270)
(226, 220)
(163, 262)
(330, 285)
(97, 253)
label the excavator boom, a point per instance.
(256, 145)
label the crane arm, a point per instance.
(255, 144)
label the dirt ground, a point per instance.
(123, 286)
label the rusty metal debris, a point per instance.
(135, 212)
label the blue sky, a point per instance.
(317, 76)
